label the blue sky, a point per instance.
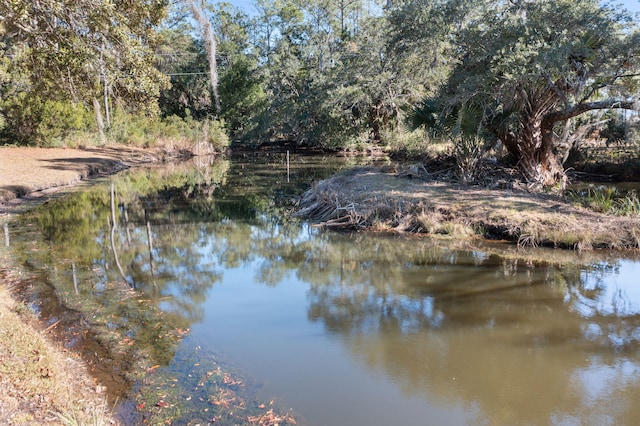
(632, 5)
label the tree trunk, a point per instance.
(534, 153)
(534, 146)
(536, 157)
(375, 121)
(99, 121)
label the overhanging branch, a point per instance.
(591, 106)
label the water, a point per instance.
(337, 329)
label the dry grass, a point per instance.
(369, 198)
(40, 383)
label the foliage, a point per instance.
(340, 74)
(92, 43)
(83, 52)
(242, 93)
(28, 118)
(133, 129)
(331, 73)
(416, 144)
(614, 130)
(183, 59)
(461, 125)
(531, 66)
(607, 199)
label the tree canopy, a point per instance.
(79, 51)
(530, 67)
(73, 46)
(333, 73)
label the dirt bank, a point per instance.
(384, 199)
(39, 171)
(40, 381)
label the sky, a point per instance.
(632, 5)
(246, 5)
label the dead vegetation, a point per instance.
(409, 199)
(40, 382)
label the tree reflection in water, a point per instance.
(161, 280)
(486, 327)
(495, 332)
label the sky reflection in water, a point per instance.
(355, 329)
(385, 330)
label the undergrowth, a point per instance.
(606, 199)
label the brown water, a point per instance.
(351, 329)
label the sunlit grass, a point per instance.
(392, 199)
(606, 199)
(40, 382)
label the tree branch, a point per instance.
(555, 88)
(591, 106)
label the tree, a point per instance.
(241, 88)
(532, 66)
(183, 58)
(81, 51)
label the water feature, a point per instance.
(204, 274)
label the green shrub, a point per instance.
(28, 119)
(415, 144)
(409, 143)
(130, 129)
(216, 132)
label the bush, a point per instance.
(129, 129)
(30, 120)
(216, 134)
(415, 144)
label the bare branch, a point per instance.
(555, 88)
(591, 106)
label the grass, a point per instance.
(606, 199)
(389, 199)
(40, 383)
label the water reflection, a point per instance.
(111, 255)
(511, 338)
(432, 334)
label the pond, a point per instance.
(210, 303)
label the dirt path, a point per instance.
(38, 171)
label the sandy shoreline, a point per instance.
(28, 173)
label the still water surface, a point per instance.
(354, 329)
